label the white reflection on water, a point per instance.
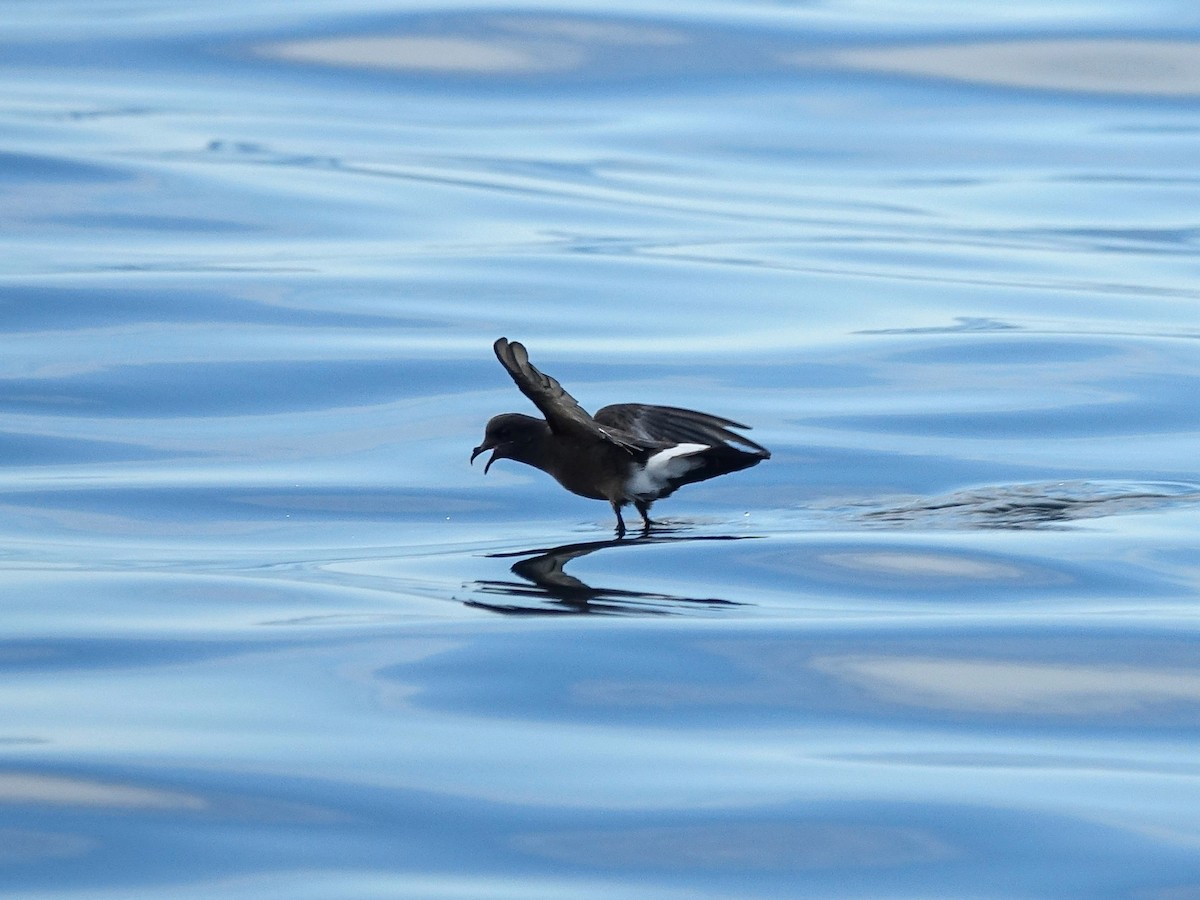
(786, 846)
(1002, 686)
(57, 790)
(20, 845)
(431, 54)
(516, 46)
(938, 565)
(1164, 67)
(312, 883)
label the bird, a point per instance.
(627, 453)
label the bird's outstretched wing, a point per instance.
(671, 425)
(563, 413)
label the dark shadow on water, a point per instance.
(1055, 505)
(547, 589)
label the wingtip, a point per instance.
(757, 449)
(506, 349)
(519, 353)
(506, 352)
(746, 445)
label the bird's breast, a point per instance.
(598, 472)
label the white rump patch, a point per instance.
(661, 468)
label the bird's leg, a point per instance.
(620, 520)
(644, 508)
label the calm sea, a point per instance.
(265, 633)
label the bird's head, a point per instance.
(511, 436)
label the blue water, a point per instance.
(267, 634)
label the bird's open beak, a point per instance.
(495, 455)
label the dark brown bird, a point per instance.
(625, 453)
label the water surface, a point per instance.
(268, 634)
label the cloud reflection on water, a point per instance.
(524, 45)
(744, 845)
(1167, 68)
(23, 845)
(57, 790)
(1013, 687)
(431, 54)
(508, 45)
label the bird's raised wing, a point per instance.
(563, 413)
(671, 425)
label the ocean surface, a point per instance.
(265, 633)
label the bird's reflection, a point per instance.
(547, 589)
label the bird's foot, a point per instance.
(663, 526)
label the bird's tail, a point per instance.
(712, 462)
